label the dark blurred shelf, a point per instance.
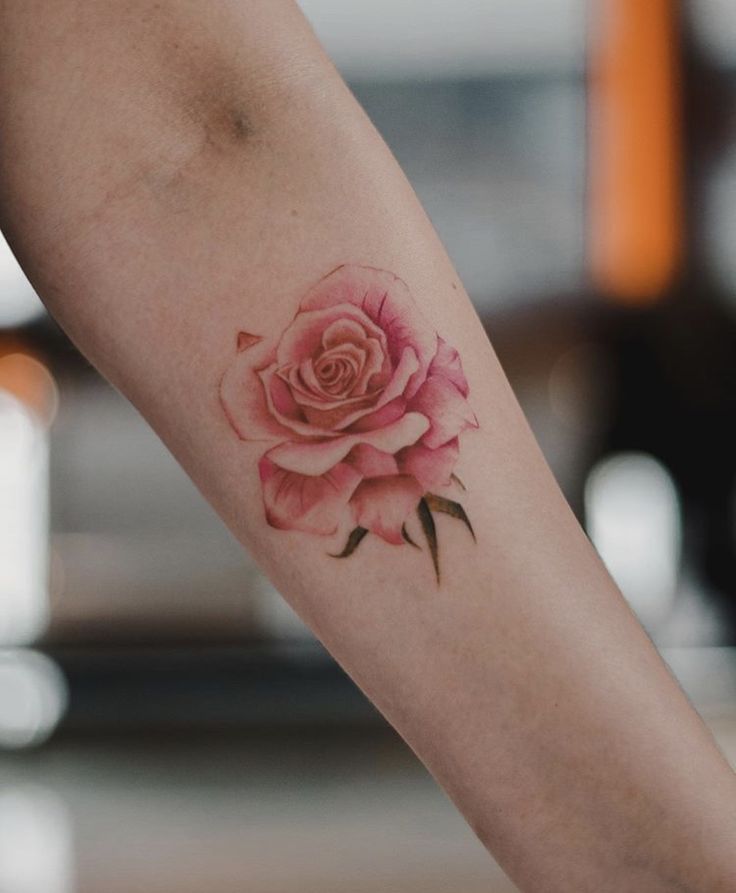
(250, 686)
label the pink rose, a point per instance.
(361, 400)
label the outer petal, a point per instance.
(448, 411)
(432, 468)
(310, 504)
(447, 363)
(242, 394)
(317, 457)
(372, 463)
(388, 302)
(383, 504)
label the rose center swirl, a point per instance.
(336, 374)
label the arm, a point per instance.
(179, 180)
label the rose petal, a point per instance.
(383, 504)
(343, 331)
(307, 503)
(314, 458)
(347, 331)
(381, 417)
(408, 364)
(338, 369)
(243, 397)
(447, 363)
(284, 410)
(370, 462)
(376, 363)
(387, 301)
(447, 410)
(282, 399)
(397, 386)
(346, 414)
(334, 419)
(303, 336)
(432, 468)
(306, 387)
(301, 378)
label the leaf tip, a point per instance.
(246, 340)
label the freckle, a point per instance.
(454, 285)
(294, 212)
(241, 126)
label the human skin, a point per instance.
(173, 174)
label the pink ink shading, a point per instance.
(360, 403)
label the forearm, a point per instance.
(174, 175)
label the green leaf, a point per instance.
(456, 479)
(454, 509)
(430, 532)
(354, 540)
(407, 538)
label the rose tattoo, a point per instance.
(362, 404)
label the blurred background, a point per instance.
(166, 722)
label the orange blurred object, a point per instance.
(29, 381)
(635, 152)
